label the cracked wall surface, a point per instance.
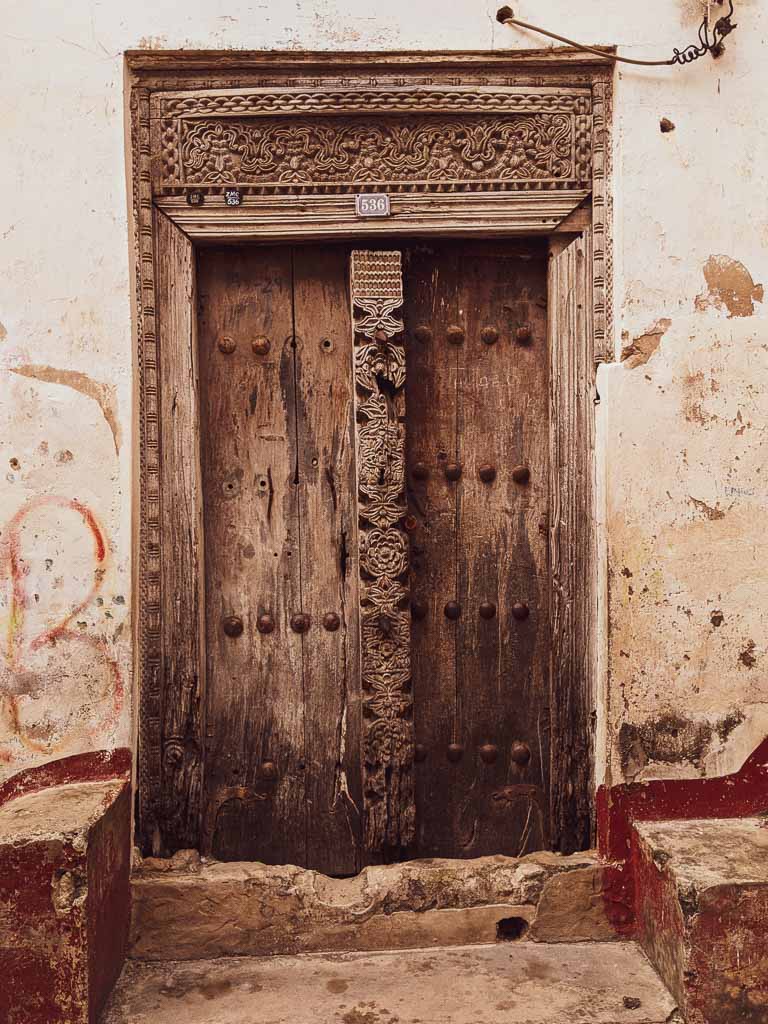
(681, 418)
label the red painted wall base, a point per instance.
(64, 894)
(739, 795)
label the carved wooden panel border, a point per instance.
(449, 139)
(467, 143)
(385, 631)
(149, 618)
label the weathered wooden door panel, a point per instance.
(478, 399)
(282, 717)
(288, 774)
(325, 474)
(254, 804)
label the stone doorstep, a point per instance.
(64, 901)
(186, 909)
(702, 897)
(535, 983)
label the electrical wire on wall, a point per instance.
(710, 41)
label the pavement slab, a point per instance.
(504, 983)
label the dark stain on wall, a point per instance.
(708, 511)
(671, 739)
(747, 656)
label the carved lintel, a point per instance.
(385, 628)
(474, 151)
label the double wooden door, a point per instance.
(287, 772)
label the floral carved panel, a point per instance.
(385, 626)
(417, 152)
(440, 139)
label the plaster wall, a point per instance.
(681, 420)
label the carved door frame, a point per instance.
(514, 143)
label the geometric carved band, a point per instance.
(418, 99)
(385, 626)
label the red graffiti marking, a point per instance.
(12, 546)
(11, 559)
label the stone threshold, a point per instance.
(584, 983)
(186, 908)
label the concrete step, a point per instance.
(528, 983)
(701, 888)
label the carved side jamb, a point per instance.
(149, 624)
(602, 219)
(385, 627)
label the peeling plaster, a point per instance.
(730, 286)
(747, 657)
(706, 510)
(103, 394)
(644, 345)
(69, 891)
(685, 497)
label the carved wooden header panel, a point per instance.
(484, 152)
(271, 142)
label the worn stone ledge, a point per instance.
(702, 897)
(64, 901)
(187, 909)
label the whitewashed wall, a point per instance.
(682, 420)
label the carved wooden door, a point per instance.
(376, 581)
(282, 781)
(478, 486)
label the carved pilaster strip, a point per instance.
(150, 625)
(385, 628)
(601, 224)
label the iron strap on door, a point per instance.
(385, 633)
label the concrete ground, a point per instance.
(506, 983)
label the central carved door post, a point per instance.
(385, 627)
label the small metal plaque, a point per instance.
(233, 196)
(372, 204)
(195, 198)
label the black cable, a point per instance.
(723, 27)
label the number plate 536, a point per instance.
(372, 204)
